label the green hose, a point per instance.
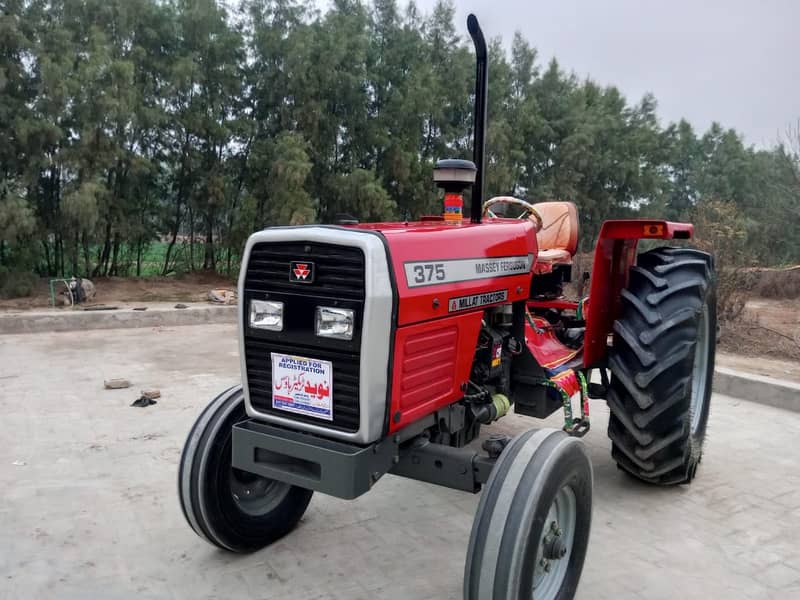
(501, 404)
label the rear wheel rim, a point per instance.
(254, 495)
(700, 370)
(554, 550)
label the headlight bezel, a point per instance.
(267, 307)
(347, 323)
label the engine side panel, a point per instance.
(431, 362)
(446, 276)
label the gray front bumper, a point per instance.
(309, 461)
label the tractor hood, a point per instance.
(443, 269)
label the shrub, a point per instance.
(779, 284)
(721, 231)
(16, 284)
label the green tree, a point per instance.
(290, 167)
(197, 121)
(361, 193)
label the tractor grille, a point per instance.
(345, 382)
(340, 269)
(338, 281)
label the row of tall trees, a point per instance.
(126, 124)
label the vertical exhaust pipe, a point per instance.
(479, 119)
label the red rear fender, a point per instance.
(614, 255)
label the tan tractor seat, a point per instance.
(554, 256)
(558, 237)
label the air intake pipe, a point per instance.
(479, 118)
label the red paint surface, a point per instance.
(542, 342)
(614, 255)
(431, 362)
(433, 348)
(568, 381)
(430, 241)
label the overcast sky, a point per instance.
(732, 61)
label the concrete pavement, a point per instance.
(88, 507)
(124, 316)
(740, 382)
(757, 388)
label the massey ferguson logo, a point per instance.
(302, 272)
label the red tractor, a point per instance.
(380, 348)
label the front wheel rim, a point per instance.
(554, 549)
(700, 370)
(254, 495)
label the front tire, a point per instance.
(531, 529)
(232, 509)
(662, 365)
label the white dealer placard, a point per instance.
(435, 272)
(302, 385)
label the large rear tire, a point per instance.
(232, 509)
(662, 364)
(531, 529)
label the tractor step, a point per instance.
(580, 428)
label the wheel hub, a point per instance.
(555, 545)
(256, 495)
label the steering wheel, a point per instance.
(528, 212)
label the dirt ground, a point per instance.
(768, 328)
(784, 370)
(110, 290)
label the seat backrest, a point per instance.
(559, 226)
